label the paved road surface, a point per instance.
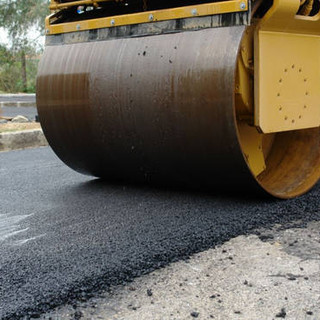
(29, 112)
(64, 236)
(17, 97)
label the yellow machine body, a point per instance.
(287, 90)
(190, 94)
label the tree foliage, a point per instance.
(11, 79)
(18, 17)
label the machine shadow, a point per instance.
(252, 193)
(220, 205)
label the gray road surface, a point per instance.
(65, 237)
(29, 112)
(17, 97)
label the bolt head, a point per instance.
(112, 22)
(78, 27)
(243, 6)
(194, 12)
(151, 17)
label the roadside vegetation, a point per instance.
(19, 57)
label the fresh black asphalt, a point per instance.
(65, 237)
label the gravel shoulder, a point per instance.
(272, 275)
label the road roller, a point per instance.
(204, 94)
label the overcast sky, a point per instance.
(32, 35)
(3, 36)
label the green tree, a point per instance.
(7, 76)
(18, 17)
(10, 69)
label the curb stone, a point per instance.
(22, 139)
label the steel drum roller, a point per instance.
(158, 108)
(163, 109)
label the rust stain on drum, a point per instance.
(158, 108)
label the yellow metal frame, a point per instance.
(148, 16)
(287, 69)
(250, 139)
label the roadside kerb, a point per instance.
(22, 140)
